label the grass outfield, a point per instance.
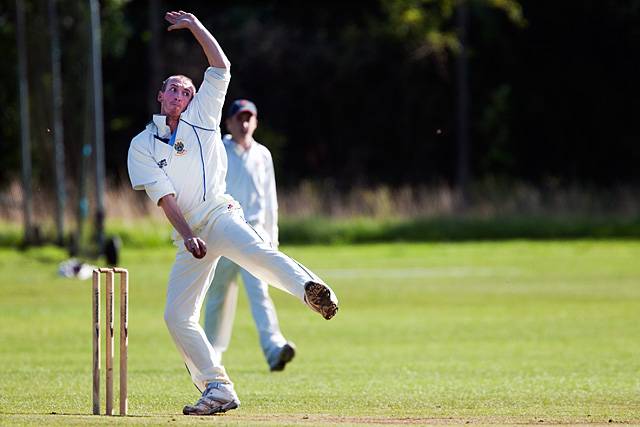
(516, 332)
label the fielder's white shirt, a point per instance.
(194, 168)
(251, 181)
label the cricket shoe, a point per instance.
(217, 398)
(319, 297)
(281, 357)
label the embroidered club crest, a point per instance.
(179, 147)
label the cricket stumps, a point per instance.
(109, 341)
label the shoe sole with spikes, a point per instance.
(318, 297)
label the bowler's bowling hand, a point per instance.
(196, 246)
(180, 19)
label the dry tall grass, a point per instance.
(383, 202)
(315, 213)
(485, 200)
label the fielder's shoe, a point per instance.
(216, 398)
(321, 299)
(282, 356)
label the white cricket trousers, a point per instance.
(230, 236)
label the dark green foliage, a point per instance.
(322, 230)
(360, 92)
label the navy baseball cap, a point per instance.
(242, 105)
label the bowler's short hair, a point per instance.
(180, 76)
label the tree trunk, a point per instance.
(25, 131)
(154, 54)
(462, 82)
(58, 129)
(98, 137)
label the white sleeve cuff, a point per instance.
(158, 190)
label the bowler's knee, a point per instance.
(174, 318)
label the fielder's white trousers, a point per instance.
(227, 234)
(222, 299)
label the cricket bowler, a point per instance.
(180, 162)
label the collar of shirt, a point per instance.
(160, 122)
(239, 149)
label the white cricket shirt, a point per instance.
(194, 168)
(251, 181)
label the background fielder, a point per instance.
(250, 181)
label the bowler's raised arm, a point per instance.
(210, 46)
